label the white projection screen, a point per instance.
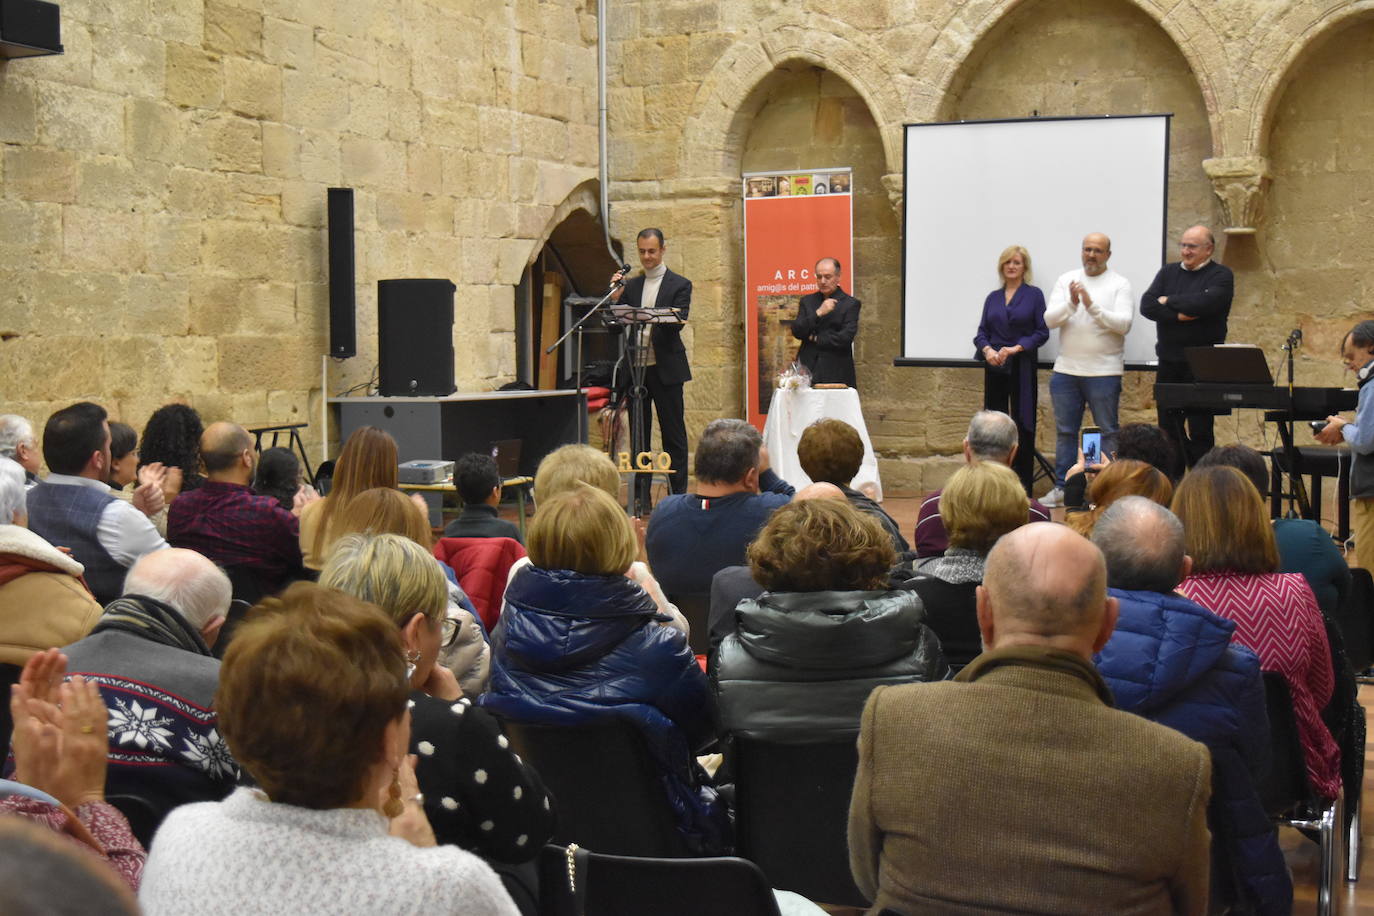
(974, 187)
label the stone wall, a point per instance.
(162, 190)
(162, 183)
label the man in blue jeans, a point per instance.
(1092, 307)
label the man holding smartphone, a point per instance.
(1093, 308)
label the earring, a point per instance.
(412, 661)
(394, 807)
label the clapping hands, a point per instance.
(60, 743)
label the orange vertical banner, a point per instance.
(791, 220)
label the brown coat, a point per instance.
(1017, 788)
(41, 609)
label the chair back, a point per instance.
(608, 885)
(606, 784)
(237, 609)
(143, 815)
(792, 815)
(1285, 785)
(1353, 617)
(696, 607)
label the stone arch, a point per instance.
(730, 96)
(961, 42)
(1289, 46)
(584, 196)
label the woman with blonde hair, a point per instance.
(1010, 334)
(1117, 479)
(804, 656)
(368, 459)
(1235, 562)
(981, 502)
(313, 704)
(504, 815)
(577, 643)
(385, 511)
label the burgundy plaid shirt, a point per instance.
(229, 524)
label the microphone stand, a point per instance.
(577, 325)
(1297, 489)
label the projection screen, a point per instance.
(972, 188)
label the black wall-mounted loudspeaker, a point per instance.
(415, 337)
(343, 328)
(29, 28)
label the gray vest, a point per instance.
(67, 515)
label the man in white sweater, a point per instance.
(1092, 308)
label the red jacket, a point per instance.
(482, 566)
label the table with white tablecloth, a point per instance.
(794, 409)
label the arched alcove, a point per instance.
(1316, 238)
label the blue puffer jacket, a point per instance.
(571, 648)
(1172, 661)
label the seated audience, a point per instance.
(1304, 545)
(384, 511)
(806, 653)
(171, 438)
(1235, 563)
(992, 437)
(44, 875)
(577, 643)
(1138, 441)
(478, 483)
(1172, 661)
(224, 520)
(564, 469)
(692, 536)
(831, 451)
(59, 773)
(368, 459)
(1017, 787)
(1126, 477)
(278, 475)
(506, 815)
(74, 508)
(147, 494)
(313, 703)
(45, 602)
(982, 502)
(150, 654)
(734, 584)
(17, 443)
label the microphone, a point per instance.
(624, 269)
(1294, 339)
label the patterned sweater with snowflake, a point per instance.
(164, 743)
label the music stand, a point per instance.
(635, 319)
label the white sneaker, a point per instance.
(1053, 499)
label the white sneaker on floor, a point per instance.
(1053, 499)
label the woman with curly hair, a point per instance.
(805, 655)
(172, 438)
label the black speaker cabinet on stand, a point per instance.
(343, 330)
(415, 338)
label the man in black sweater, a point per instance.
(1189, 301)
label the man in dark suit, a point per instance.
(827, 321)
(1189, 301)
(666, 358)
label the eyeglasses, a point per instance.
(1189, 246)
(448, 632)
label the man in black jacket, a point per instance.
(1189, 302)
(827, 321)
(666, 358)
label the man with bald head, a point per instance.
(251, 536)
(1017, 787)
(1092, 307)
(150, 653)
(1189, 301)
(1173, 662)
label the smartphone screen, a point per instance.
(1092, 445)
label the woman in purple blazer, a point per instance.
(1009, 337)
